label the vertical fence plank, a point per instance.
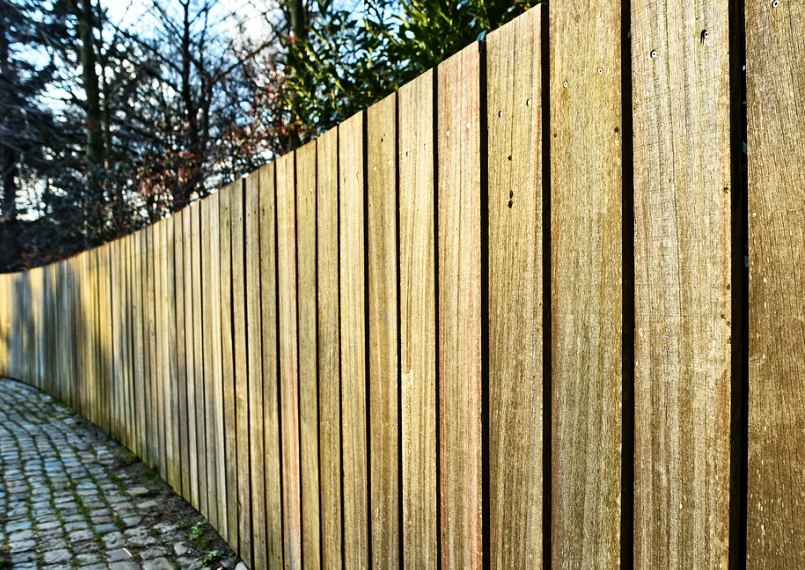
(216, 375)
(172, 380)
(182, 334)
(117, 345)
(254, 343)
(418, 323)
(682, 239)
(514, 116)
(329, 349)
(268, 269)
(238, 235)
(198, 360)
(192, 495)
(230, 458)
(383, 336)
(586, 275)
(138, 340)
(459, 237)
(152, 370)
(159, 374)
(288, 358)
(164, 331)
(208, 309)
(353, 341)
(308, 345)
(775, 71)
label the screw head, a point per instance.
(775, 4)
(528, 102)
(600, 70)
(653, 54)
(565, 84)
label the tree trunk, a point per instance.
(95, 142)
(8, 156)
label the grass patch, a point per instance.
(212, 556)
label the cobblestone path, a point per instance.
(71, 497)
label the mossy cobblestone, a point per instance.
(73, 498)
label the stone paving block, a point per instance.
(127, 565)
(118, 555)
(81, 535)
(105, 528)
(157, 564)
(154, 552)
(113, 540)
(21, 546)
(88, 558)
(21, 535)
(18, 525)
(57, 556)
(22, 557)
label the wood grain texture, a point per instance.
(210, 306)
(138, 368)
(682, 239)
(190, 355)
(308, 353)
(217, 364)
(586, 290)
(459, 251)
(228, 364)
(160, 372)
(198, 358)
(172, 410)
(237, 212)
(254, 341)
(383, 355)
(775, 71)
(514, 116)
(182, 334)
(329, 349)
(152, 369)
(419, 412)
(352, 282)
(270, 349)
(289, 360)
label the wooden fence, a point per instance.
(501, 319)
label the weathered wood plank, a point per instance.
(241, 378)
(271, 411)
(216, 374)
(383, 332)
(182, 335)
(138, 348)
(353, 341)
(308, 353)
(586, 283)
(198, 361)
(514, 116)
(329, 349)
(775, 72)
(459, 251)
(288, 358)
(682, 241)
(254, 342)
(208, 310)
(419, 412)
(159, 373)
(228, 364)
(190, 275)
(152, 368)
(172, 408)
